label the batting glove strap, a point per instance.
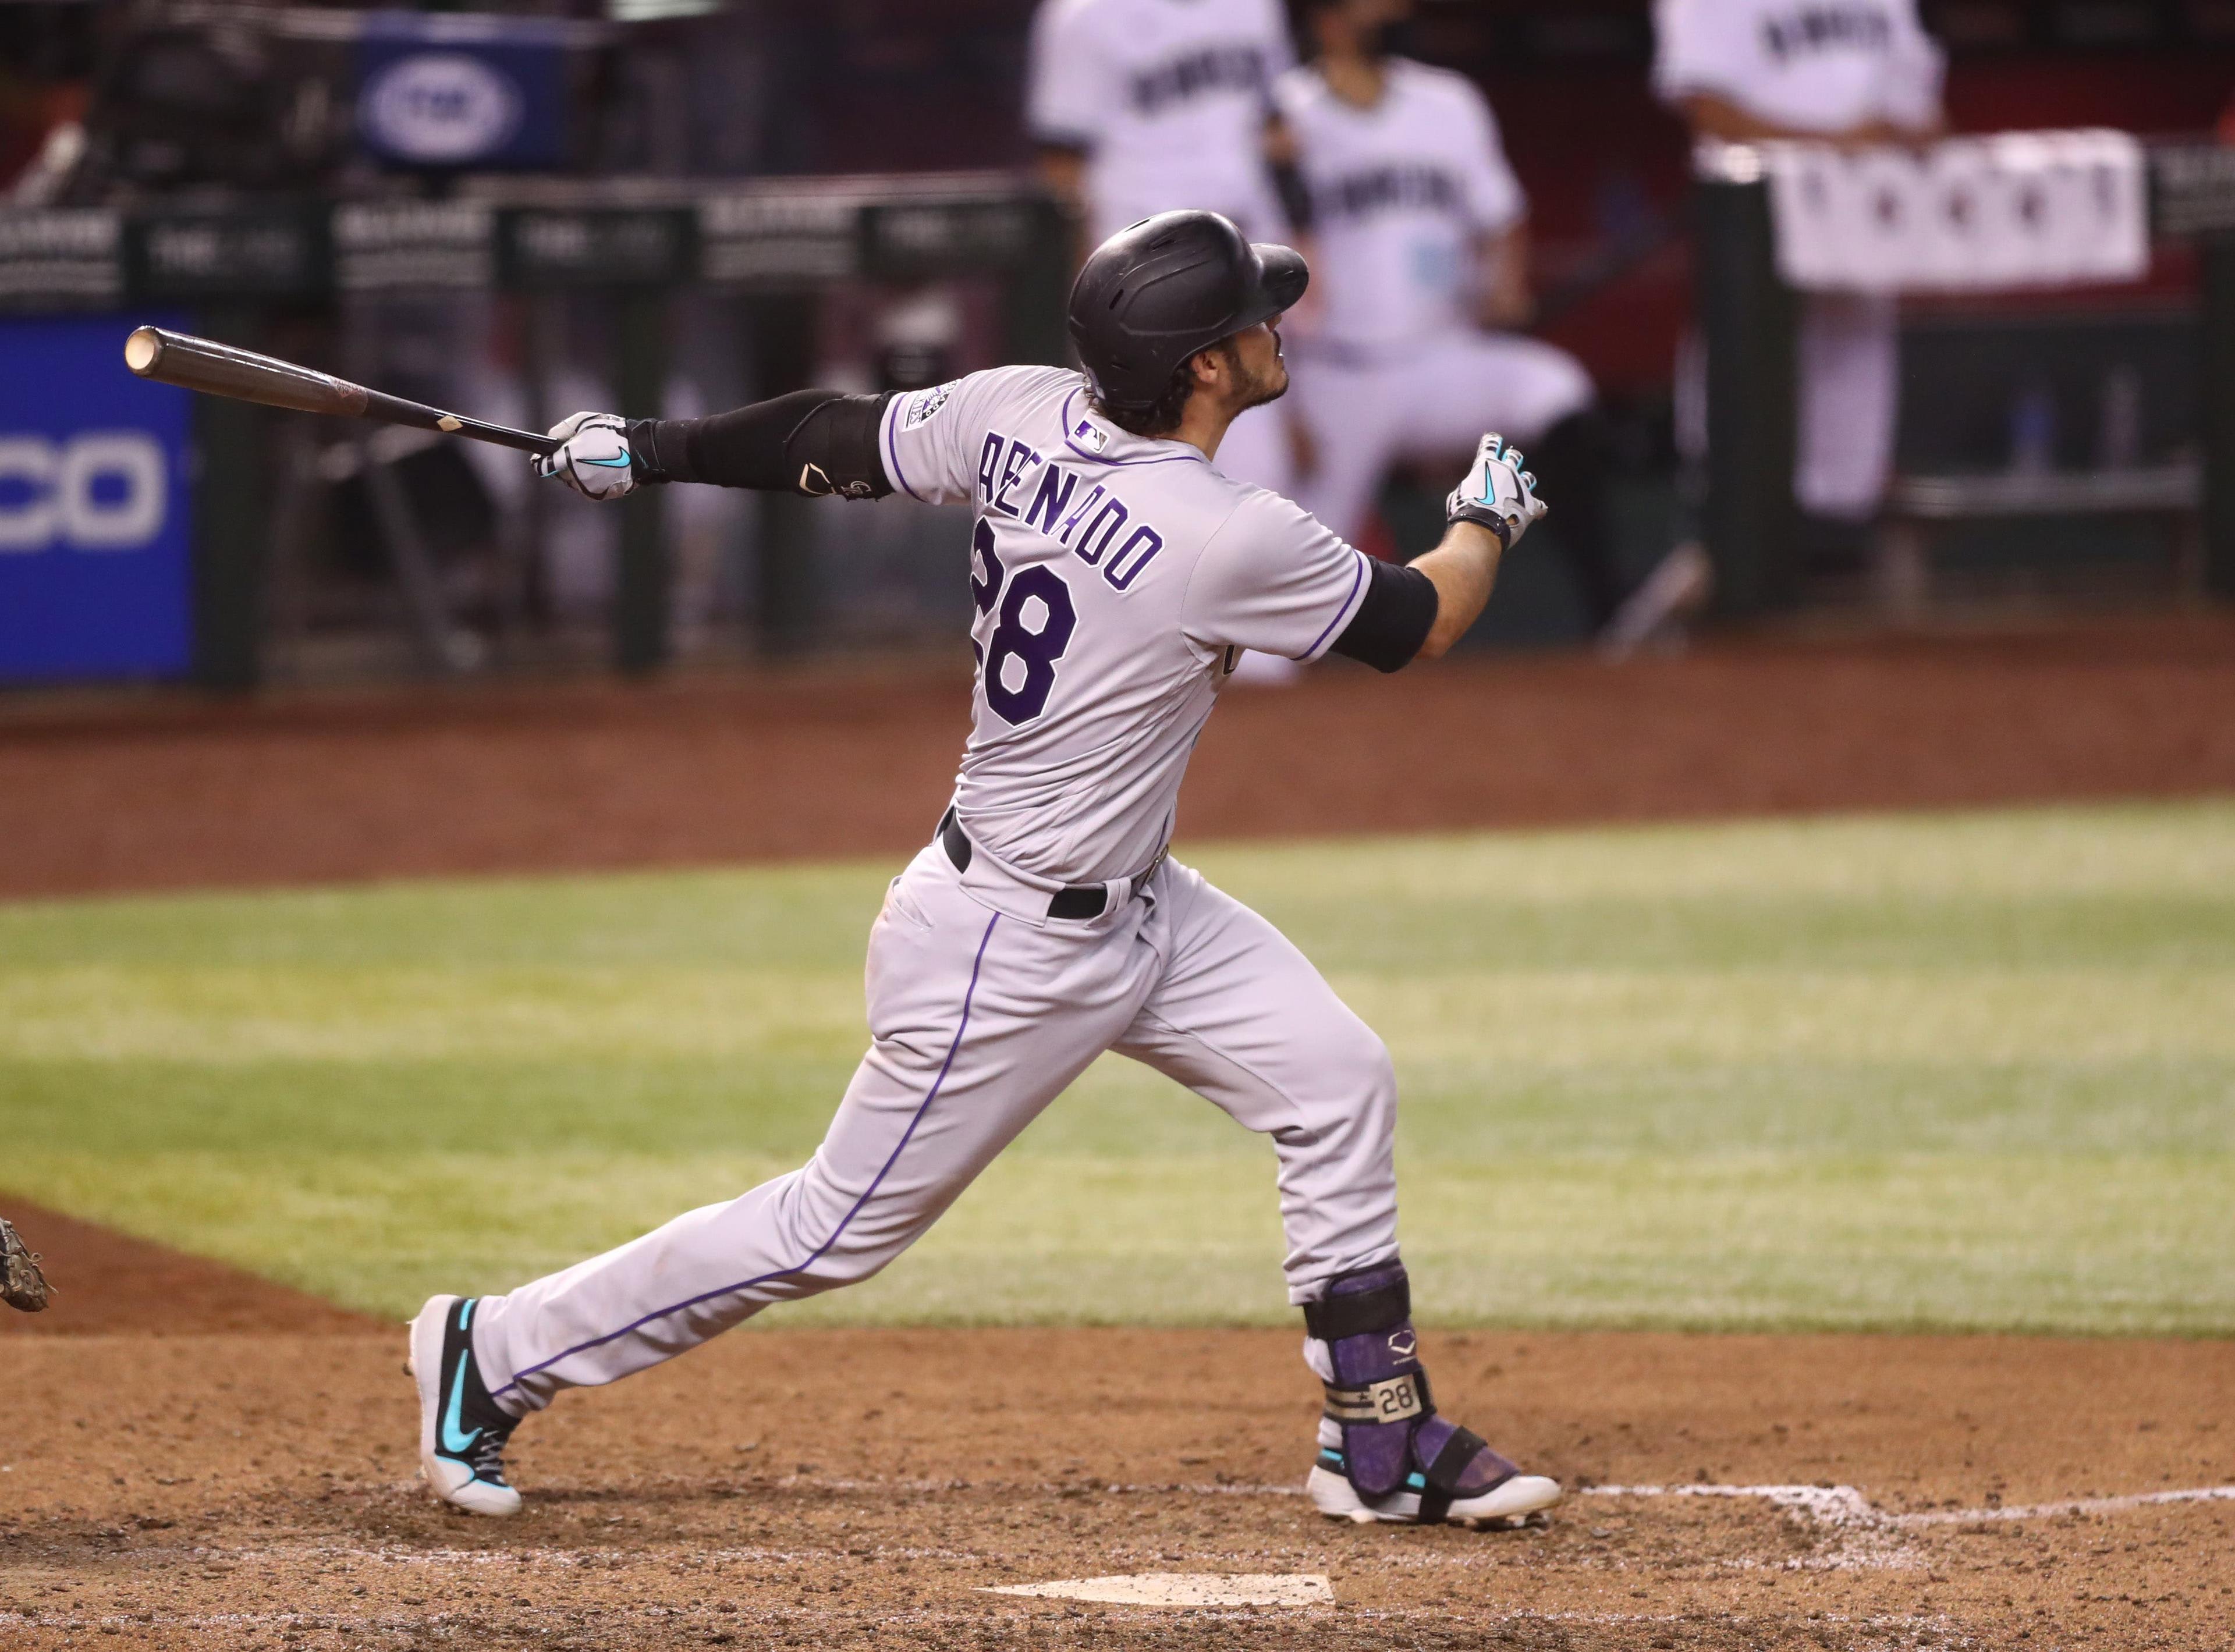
(1498, 493)
(659, 451)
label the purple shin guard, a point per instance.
(1392, 1440)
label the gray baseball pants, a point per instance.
(982, 1009)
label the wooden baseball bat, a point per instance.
(220, 369)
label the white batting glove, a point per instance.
(1498, 493)
(593, 457)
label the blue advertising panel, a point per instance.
(451, 89)
(94, 506)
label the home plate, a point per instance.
(1186, 1588)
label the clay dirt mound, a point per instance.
(107, 1282)
(853, 1488)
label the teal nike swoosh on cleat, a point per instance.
(457, 1444)
(456, 1441)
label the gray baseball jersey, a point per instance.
(1116, 580)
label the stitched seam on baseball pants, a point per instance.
(820, 1251)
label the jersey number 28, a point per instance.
(1036, 649)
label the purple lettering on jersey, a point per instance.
(989, 464)
(1136, 554)
(1089, 549)
(1003, 469)
(1048, 503)
(1012, 473)
(1071, 522)
(983, 591)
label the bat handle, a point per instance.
(394, 410)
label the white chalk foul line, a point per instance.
(1868, 1536)
(2077, 1505)
(1862, 1536)
(1845, 1506)
(1184, 1588)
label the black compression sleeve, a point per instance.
(1395, 620)
(810, 442)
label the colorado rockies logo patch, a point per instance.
(925, 404)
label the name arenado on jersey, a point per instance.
(1086, 529)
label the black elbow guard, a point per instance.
(810, 442)
(1395, 620)
(833, 449)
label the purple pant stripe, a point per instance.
(868, 1194)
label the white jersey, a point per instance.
(1805, 65)
(1117, 578)
(1168, 100)
(1400, 193)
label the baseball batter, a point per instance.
(1117, 573)
(1420, 236)
(1859, 71)
(1149, 106)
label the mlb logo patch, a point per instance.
(1091, 435)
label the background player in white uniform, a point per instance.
(1116, 573)
(1150, 106)
(1419, 238)
(1859, 71)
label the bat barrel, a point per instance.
(223, 370)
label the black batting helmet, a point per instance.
(1155, 293)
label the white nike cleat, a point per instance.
(461, 1431)
(1508, 1502)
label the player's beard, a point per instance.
(1269, 385)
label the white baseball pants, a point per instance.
(981, 1010)
(1434, 397)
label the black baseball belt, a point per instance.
(1076, 902)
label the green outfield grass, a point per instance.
(1950, 1072)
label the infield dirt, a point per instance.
(845, 1488)
(194, 1458)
